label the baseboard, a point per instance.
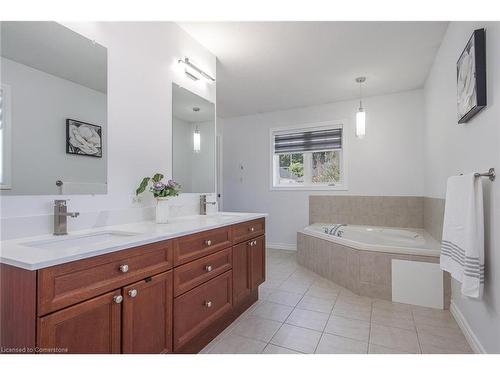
(281, 246)
(466, 329)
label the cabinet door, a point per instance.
(241, 272)
(92, 326)
(257, 261)
(147, 315)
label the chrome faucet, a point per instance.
(203, 204)
(60, 217)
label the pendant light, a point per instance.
(360, 114)
(196, 135)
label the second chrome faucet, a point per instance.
(60, 217)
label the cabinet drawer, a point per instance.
(197, 245)
(70, 283)
(248, 229)
(197, 309)
(194, 273)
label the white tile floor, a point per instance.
(300, 312)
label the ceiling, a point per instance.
(183, 103)
(57, 50)
(268, 66)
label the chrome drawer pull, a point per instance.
(124, 268)
(208, 304)
(132, 293)
(208, 243)
(252, 229)
(117, 299)
(208, 268)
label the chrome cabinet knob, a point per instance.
(252, 229)
(208, 268)
(208, 242)
(250, 243)
(124, 268)
(132, 293)
(208, 304)
(117, 299)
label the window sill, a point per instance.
(309, 188)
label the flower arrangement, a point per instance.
(159, 188)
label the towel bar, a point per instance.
(490, 174)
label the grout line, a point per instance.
(416, 330)
(370, 329)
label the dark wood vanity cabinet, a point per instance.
(249, 269)
(258, 262)
(168, 296)
(93, 326)
(242, 284)
(147, 315)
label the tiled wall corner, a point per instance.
(433, 216)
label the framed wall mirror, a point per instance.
(193, 141)
(53, 111)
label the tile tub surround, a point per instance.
(365, 273)
(434, 216)
(401, 212)
(323, 317)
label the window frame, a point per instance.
(6, 138)
(343, 186)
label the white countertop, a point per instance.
(21, 252)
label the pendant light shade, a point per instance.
(360, 123)
(196, 141)
(360, 114)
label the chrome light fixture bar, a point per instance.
(193, 72)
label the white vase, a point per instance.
(162, 210)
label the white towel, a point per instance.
(462, 247)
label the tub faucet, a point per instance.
(203, 204)
(60, 217)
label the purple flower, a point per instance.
(171, 184)
(158, 186)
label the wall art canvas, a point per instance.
(471, 77)
(83, 138)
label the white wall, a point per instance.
(203, 162)
(451, 148)
(142, 64)
(195, 171)
(40, 105)
(388, 161)
(182, 153)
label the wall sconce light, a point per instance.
(193, 72)
(360, 114)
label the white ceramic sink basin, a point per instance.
(79, 240)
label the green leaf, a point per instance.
(142, 186)
(157, 177)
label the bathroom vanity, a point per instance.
(169, 290)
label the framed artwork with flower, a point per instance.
(471, 77)
(83, 138)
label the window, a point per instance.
(5, 171)
(308, 157)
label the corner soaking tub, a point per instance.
(373, 238)
(395, 264)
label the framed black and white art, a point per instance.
(83, 138)
(471, 77)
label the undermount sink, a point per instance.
(79, 240)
